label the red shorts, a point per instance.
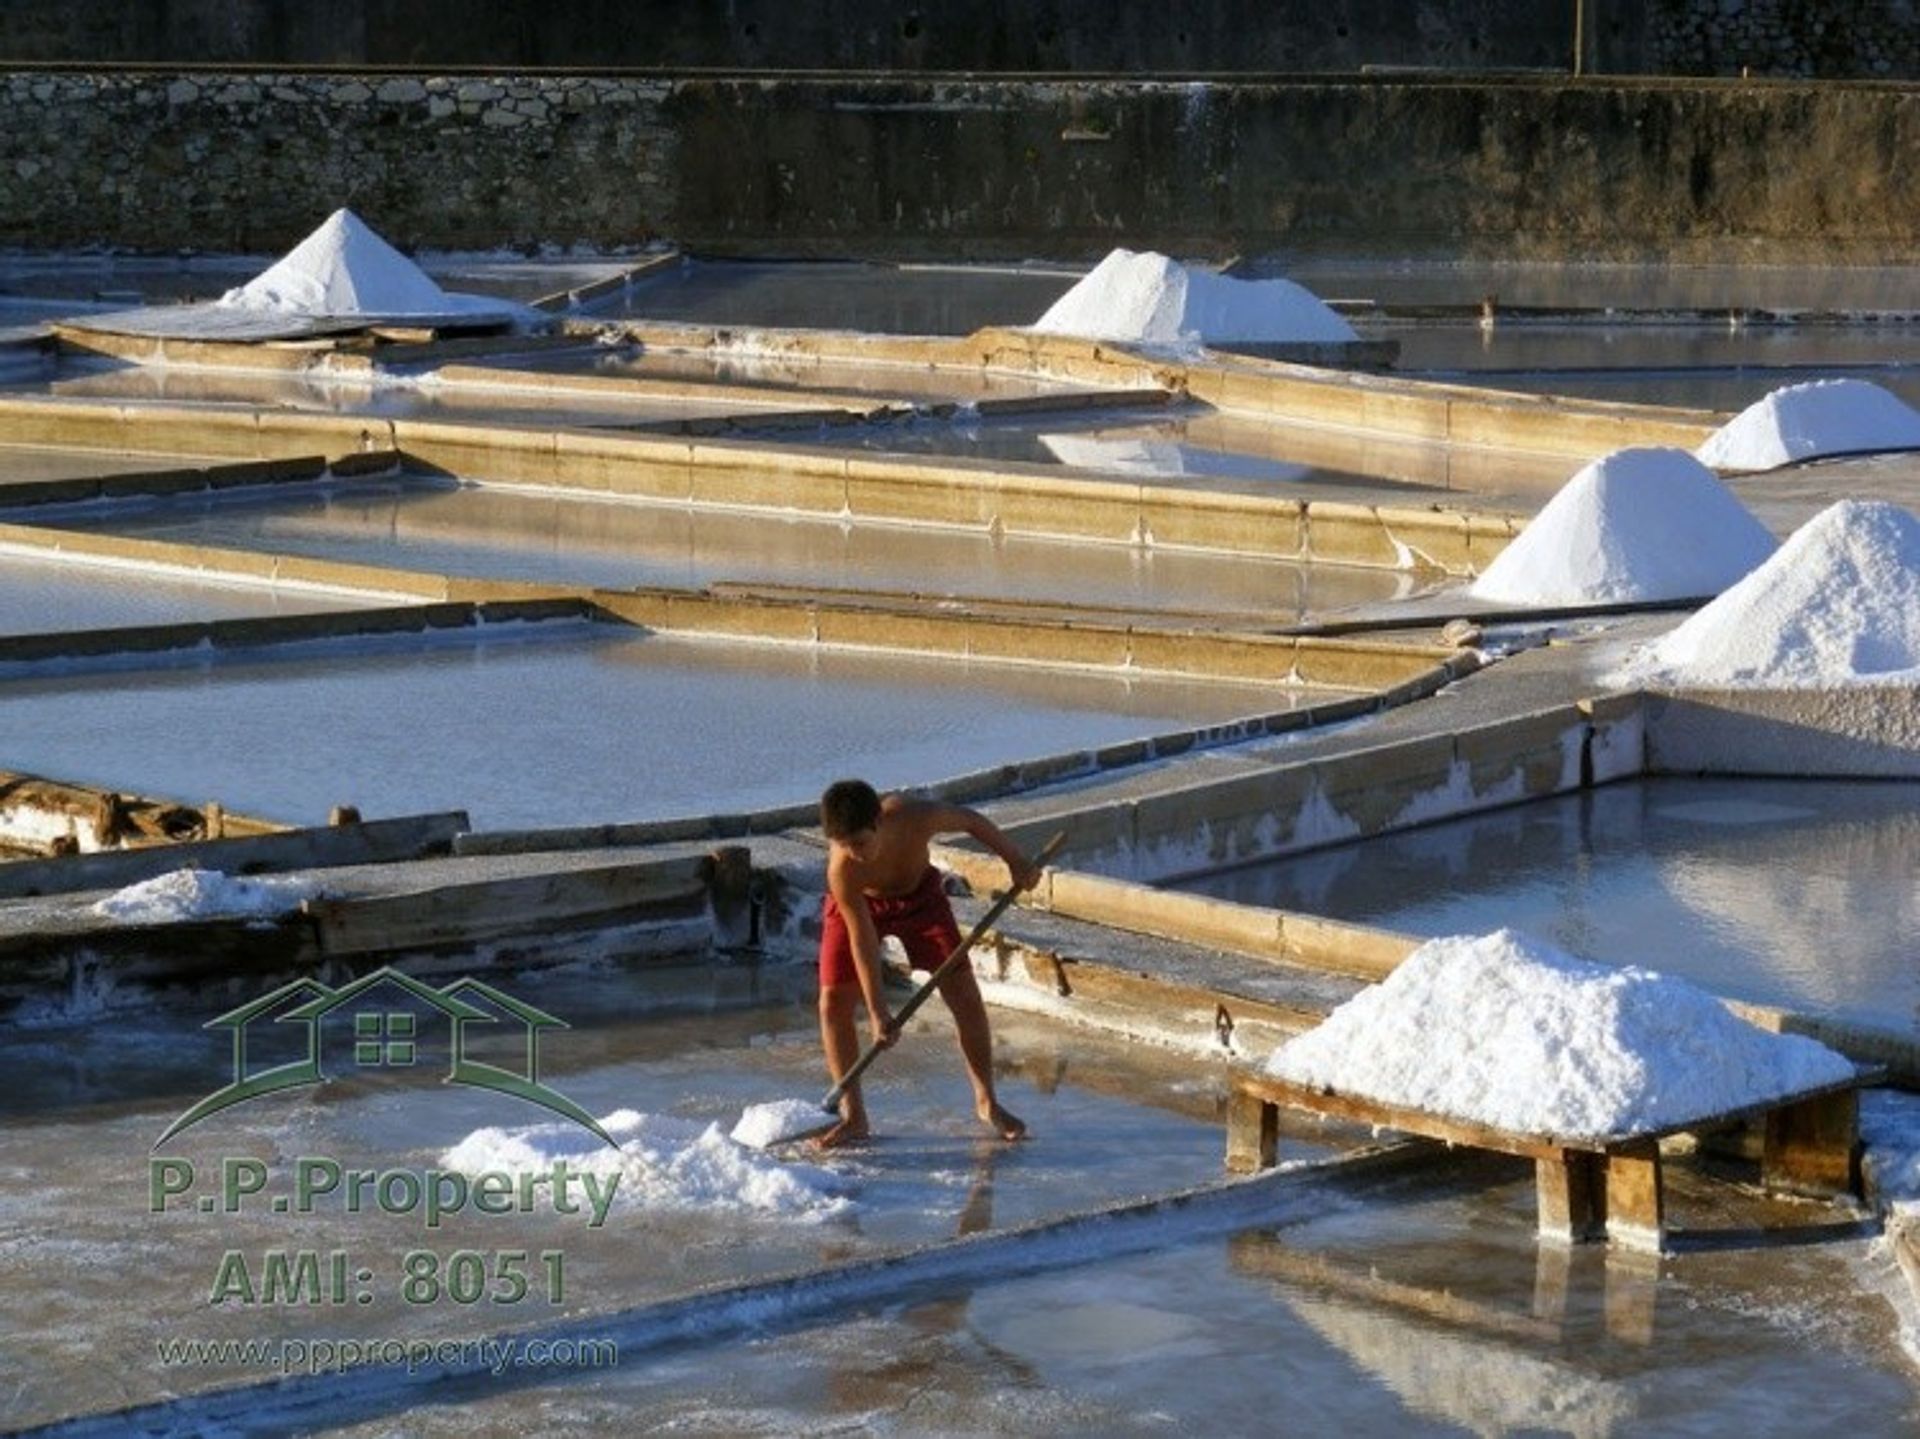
(922, 921)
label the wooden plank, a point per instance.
(1813, 1147)
(375, 842)
(1479, 1136)
(1409, 1121)
(458, 914)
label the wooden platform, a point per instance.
(1589, 1189)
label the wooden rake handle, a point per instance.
(958, 956)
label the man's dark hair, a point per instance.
(848, 806)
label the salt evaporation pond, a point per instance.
(780, 371)
(1728, 391)
(546, 725)
(1626, 285)
(884, 299)
(1804, 893)
(41, 596)
(689, 1045)
(1421, 1311)
(413, 397)
(1190, 450)
(26, 464)
(504, 533)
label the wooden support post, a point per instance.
(1572, 1196)
(1813, 1147)
(1632, 1207)
(728, 872)
(1253, 1133)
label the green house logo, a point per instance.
(385, 1037)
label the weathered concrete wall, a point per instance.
(1864, 39)
(905, 167)
(983, 35)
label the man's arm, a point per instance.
(865, 942)
(958, 819)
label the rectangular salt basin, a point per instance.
(778, 371)
(43, 596)
(1179, 449)
(415, 396)
(1409, 1314)
(504, 533)
(536, 725)
(904, 300)
(687, 1046)
(1801, 893)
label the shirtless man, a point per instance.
(880, 881)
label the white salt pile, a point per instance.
(663, 1163)
(1506, 1031)
(345, 270)
(1804, 422)
(204, 894)
(1639, 524)
(1148, 299)
(762, 1125)
(1838, 604)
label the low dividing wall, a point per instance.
(960, 166)
(1276, 808)
(1859, 733)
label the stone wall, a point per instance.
(1385, 165)
(952, 35)
(1863, 39)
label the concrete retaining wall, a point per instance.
(1275, 808)
(966, 167)
(1864, 733)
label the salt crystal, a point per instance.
(1149, 299)
(1804, 422)
(1838, 604)
(204, 894)
(345, 270)
(1638, 525)
(1506, 1031)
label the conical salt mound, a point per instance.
(345, 270)
(1638, 525)
(1839, 603)
(1804, 422)
(1506, 1030)
(1148, 299)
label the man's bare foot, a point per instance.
(846, 1132)
(1003, 1121)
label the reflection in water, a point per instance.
(1803, 893)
